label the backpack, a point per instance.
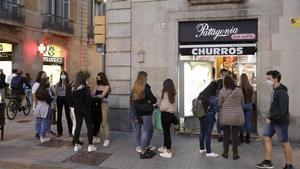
(197, 108)
(16, 82)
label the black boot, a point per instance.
(236, 156)
(225, 154)
(248, 138)
(241, 138)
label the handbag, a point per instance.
(157, 119)
(142, 107)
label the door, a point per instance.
(53, 72)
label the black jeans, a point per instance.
(96, 116)
(62, 102)
(234, 131)
(79, 115)
(166, 124)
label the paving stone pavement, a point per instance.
(21, 150)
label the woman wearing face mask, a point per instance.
(61, 101)
(102, 91)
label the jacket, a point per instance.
(279, 110)
(230, 104)
(204, 96)
(144, 107)
(166, 105)
(2, 81)
(81, 98)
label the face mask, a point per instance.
(63, 77)
(270, 82)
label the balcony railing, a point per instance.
(91, 32)
(58, 23)
(12, 11)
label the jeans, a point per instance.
(44, 124)
(213, 104)
(248, 111)
(28, 94)
(206, 127)
(282, 131)
(166, 118)
(147, 131)
(87, 116)
(231, 131)
(62, 102)
(138, 130)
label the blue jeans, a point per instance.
(248, 111)
(213, 101)
(28, 93)
(138, 130)
(206, 127)
(147, 131)
(280, 129)
(43, 124)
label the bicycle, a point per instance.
(14, 106)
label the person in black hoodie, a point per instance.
(277, 121)
(143, 101)
(81, 98)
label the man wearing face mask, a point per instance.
(277, 121)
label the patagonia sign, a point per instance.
(218, 31)
(201, 51)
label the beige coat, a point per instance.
(230, 104)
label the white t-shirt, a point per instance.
(35, 87)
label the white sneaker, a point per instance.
(138, 149)
(44, 140)
(166, 155)
(162, 149)
(106, 143)
(152, 148)
(96, 140)
(91, 148)
(77, 147)
(202, 151)
(213, 155)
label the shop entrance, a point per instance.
(6, 55)
(205, 45)
(53, 72)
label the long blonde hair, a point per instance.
(139, 86)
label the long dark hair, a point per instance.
(39, 76)
(42, 92)
(229, 83)
(169, 87)
(67, 78)
(80, 79)
(246, 87)
(103, 81)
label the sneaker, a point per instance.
(162, 149)
(106, 143)
(91, 148)
(138, 149)
(96, 140)
(166, 155)
(213, 155)
(77, 147)
(152, 148)
(146, 155)
(151, 152)
(288, 166)
(202, 151)
(44, 139)
(265, 165)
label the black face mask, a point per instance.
(99, 82)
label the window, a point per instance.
(96, 8)
(59, 8)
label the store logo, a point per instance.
(218, 51)
(205, 30)
(55, 60)
(51, 51)
(1, 48)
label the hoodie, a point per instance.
(230, 103)
(81, 98)
(279, 110)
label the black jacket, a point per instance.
(279, 111)
(210, 90)
(2, 81)
(144, 107)
(81, 98)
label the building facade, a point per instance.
(183, 39)
(48, 35)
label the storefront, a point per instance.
(53, 61)
(230, 44)
(6, 56)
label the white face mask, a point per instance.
(63, 77)
(270, 82)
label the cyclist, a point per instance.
(17, 86)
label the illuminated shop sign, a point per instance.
(52, 54)
(218, 31)
(188, 50)
(5, 52)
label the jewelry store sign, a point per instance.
(218, 31)
(295, 22)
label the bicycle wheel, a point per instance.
(11, 110)
(26, 107)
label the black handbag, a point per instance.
(143, 107)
